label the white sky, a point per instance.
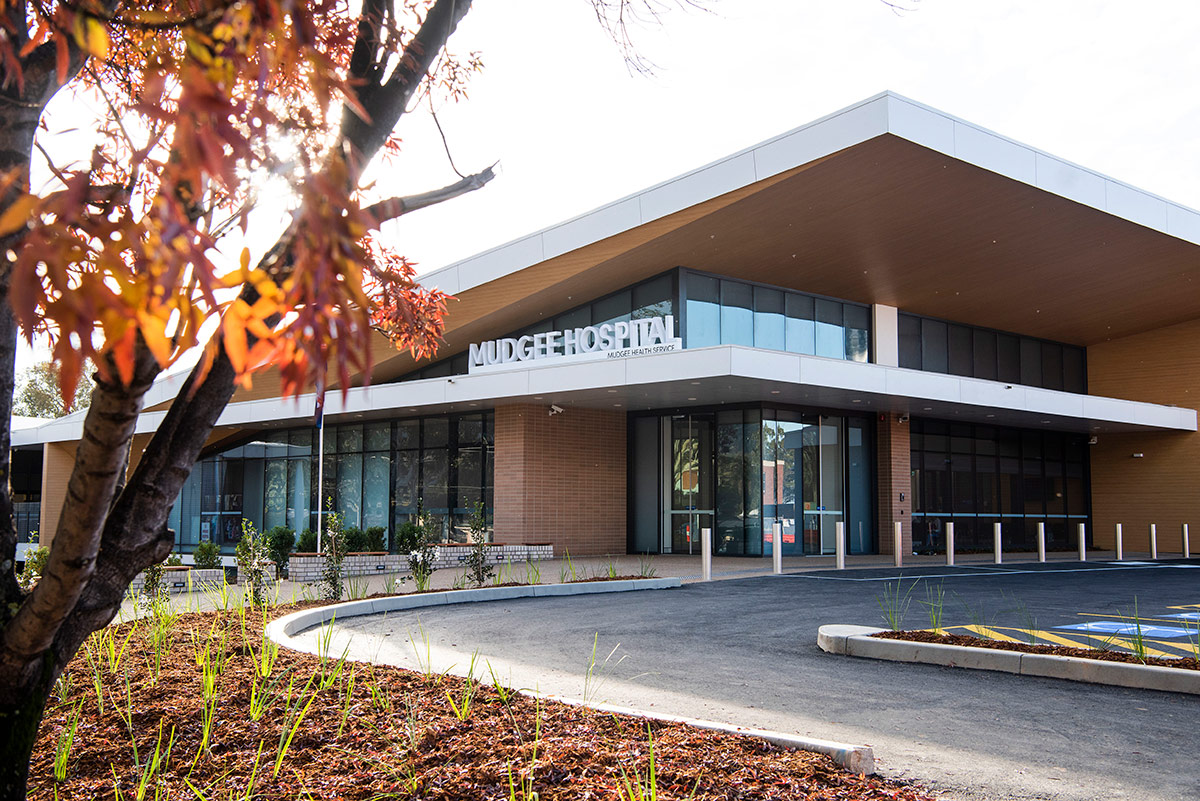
(1109, 84)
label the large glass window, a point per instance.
(976, 476)
(939, 347)
(378, 474)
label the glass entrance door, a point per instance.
(688, 488)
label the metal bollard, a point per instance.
(1153, 541)
(898, 543)
(1082, 542)
(996, 543)
(1187, 551)
(1120, 546)
(950, 544)
(840, 544)
(777, 547)
(706, 554)
(1041, 541)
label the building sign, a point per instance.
(606, 341)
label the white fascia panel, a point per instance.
(918, 384)
(765, 364)
(486, 385)
(682, 365)
(1183, 222)
(838, 374)
(1046, 401)
(604, 222)
(985, 149)
(821, 138)
(445, 279)
(1136, 205)
(979, 392)
(688, 190)
(581, 375)
(1069, 181)
(921, 125)
(500, 262)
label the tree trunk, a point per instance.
(19, 723)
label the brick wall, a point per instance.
(561, 479)
(894, 477)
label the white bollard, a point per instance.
(1041, 541)
(777, 547)
(996, 543)
(1153, 541)
(706, 554)
(1082, 542)
(840, 544)
(897, 544)
(1120, 546)
(1187, 551)
(950, 544)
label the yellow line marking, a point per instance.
(1185, 606)
(1058, 639)
(1188, 648)
(989, 633)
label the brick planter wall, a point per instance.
(306, 567)
(176, 579)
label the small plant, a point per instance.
(66, 738)
(408, 537)
(610, 568)
(566, 568)
(280, 542)
(462, 708)
(252, 560)
(307, 542)
(1137, 641)
(207, 556)
(175, 560)
(934, 603)
(357, 588)
(893, 605)
(421, 559)
(646, 568)
(479, 567)
(35, 564)
(154, 589)
(335, 552)
(595, 675)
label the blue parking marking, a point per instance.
(1186, 616)
(1124, 629)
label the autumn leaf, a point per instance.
(16, 216)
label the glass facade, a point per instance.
(742, 471)
(978, 475)
(376, 474)
(941, 347)
(25, 485)
(723, 311)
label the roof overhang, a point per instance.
(887, 201)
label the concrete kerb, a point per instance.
(856, 758)
(857, 641)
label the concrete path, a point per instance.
(744, 651)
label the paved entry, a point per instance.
(1123, 624)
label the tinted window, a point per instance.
(910, 341)
(933, 346)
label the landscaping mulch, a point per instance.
(1185, 663)
(372, 732)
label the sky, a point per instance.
(1108, 85)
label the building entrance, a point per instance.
(688, 483)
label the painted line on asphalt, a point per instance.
(903, 576)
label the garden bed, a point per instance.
(1185, 663)
(319, 727)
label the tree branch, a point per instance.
(395, 207)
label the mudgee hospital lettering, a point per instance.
(605, 341)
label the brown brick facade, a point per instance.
(894, 478)
(561, 478)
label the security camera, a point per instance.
(555, 409)
(902, 418)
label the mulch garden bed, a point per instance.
(292, 726)
(1186, 663)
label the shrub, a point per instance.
(207, 556)
(479, 571)
(154, 589)
(420, 559)
(251, 559)
(175, 560)
(335, 552)
(280, 541)
(354, 540)
(35, 566)
(307, 542)
(376, 538)
(408, 538)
